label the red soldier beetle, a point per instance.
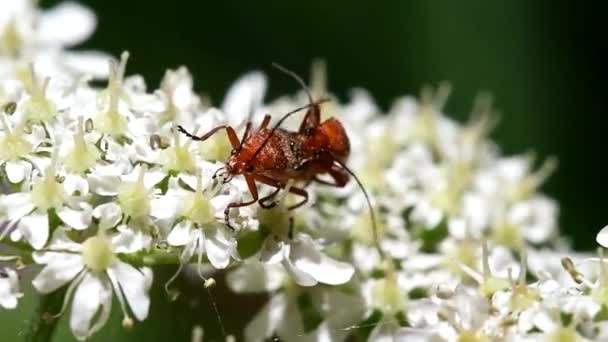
(273, 156)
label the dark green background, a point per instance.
(539, 58)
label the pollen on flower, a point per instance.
(47, 193)
(97, 253)
(134, 197)
(83, 155)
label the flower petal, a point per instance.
(35, 229)
(135, 284)
(91, 293)
(129, 240)
(16, 205)
(9, 289)
(299, 276)
(180, 235)
(602, 237)
(67, 24)
(245, 95)
(272, 251)
(165, 207)
(218, 248)
(62, 268)
(108, 214)
(104, 185)
(307, 258)
(76, 184)
(267, 320)
(256, 277)
(16, 170)
(93, 63)
(77, 219)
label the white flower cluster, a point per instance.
(99, 185)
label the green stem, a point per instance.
(19, 249)
(156, 258)
(43, 324)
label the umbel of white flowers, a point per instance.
(99, 187)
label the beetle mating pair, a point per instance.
(274, 156)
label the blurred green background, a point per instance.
(540, 59)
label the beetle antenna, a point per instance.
(311, 103)
(295, 77)
(281, 120)
(372, 215)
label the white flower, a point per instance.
(31, 209)
(134, 192)
(95, 273)
(201, 229)
(282, 315)
(9, 288)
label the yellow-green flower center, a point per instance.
(111, 121)
(388, 297)
(178, 157)
(471, 336)
(37, 107)
(83, 155)
(134, 197)
(10, 39)
(97, 253)
(198, 208)
(523, 297)
(563, 334)
(492, 285)
(507, 234)
(363, 229)
(462, 253)
(275, 220)
(13, 145)
(47, 193)
(216, 148)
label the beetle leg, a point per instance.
(297, 191)
(312, 119)
(246, 134)
(270, 196)
(254, 193)
(301, 192)
(265, 121)
(234, 139)
(339, 176)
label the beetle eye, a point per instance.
(233, 152)
(249, 168)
